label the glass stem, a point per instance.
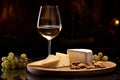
(49, 47)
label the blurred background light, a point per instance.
(116, 22)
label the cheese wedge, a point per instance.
(51, 61)
(36, 63)
(63, 59)
(80, 55)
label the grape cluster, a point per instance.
(14, 62)
(100, 57)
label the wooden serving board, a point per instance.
(66, 71)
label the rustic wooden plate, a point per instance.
(66, 71)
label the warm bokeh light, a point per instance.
(116, 22)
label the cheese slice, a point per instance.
(80, 55)
(63, 59)
(51, 61)
(36, 63)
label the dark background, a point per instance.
(86, 24)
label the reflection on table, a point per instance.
(20, 74)
(24, 75)
(111, 76)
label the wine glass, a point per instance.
(49, 23)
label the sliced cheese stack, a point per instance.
(63, 59)
(53, 61)
(80, 55)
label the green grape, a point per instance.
(23, 56)
(94, 56)
(3, 58)
(10, 58)
(104, 58)
(11, 54)
(100, 54)
(6, 62)
(3, 64)
(7, 66)
(16, 60)
(98, 58)
(13, 62)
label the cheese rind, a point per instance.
(80, 55)
(63, 59)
